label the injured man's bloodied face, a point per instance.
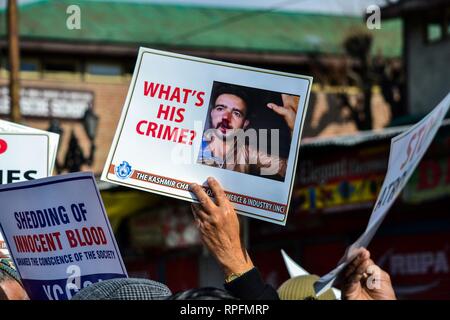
(229, 113)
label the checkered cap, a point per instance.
(124, 289)
(7, 267)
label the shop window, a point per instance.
(29, 65)
(104, 69)
(434, 32)
(434, 28)
(25, 65)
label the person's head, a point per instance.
(230, 110)
(206, 293)
(124, 289)
(10, 285)
(302, 288)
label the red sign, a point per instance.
(431, 181)
(3, 146)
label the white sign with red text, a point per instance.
(23, 157)
(53, 139)
(178, 114)
(407, 149)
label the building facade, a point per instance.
(426, 43)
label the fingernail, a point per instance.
(269, 105)
(210, 179)
(193, 185)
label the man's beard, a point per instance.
(223, 129)
(223, 126)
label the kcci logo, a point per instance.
(123, 170)
(3, 146)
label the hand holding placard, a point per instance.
(219, 228)
(407, 149)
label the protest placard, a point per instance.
(59, 235)
(23, 156)
(407, 149)
(53, 138)
(187, 118)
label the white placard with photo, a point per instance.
(187, 118)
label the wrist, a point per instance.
(233, 276)
(238, 269)
(239, 266)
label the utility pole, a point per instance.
(14, 61)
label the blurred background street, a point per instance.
(371, 76)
